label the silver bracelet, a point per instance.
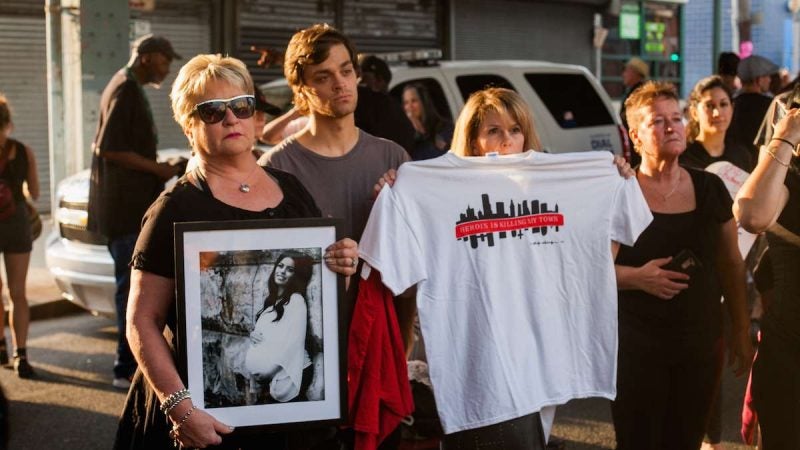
(173, 399)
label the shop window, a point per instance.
(646, 29)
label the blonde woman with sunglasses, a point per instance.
(212, 100)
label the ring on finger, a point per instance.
(355, 263)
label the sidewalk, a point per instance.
(44, 297)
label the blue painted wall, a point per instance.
(772, 36)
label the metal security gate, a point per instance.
(517, 29)
(391, 25)
(23, 80)
(271, 23)
(374, 26)
(186, 24)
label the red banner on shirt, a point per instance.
(508, 224)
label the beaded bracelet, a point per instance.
(771, 153)
(173, 433)
(173, 399)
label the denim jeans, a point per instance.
(121, 249)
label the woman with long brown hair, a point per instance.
(17, 172)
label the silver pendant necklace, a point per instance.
(244, 186)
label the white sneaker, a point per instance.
(121, 383)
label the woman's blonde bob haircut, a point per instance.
(479, 105)
(195, 76)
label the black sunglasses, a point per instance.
(213, 111)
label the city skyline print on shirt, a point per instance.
(514, 220)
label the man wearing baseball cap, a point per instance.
(753, 100)
(634, 75)
(126, 178)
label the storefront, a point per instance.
(650, 30)
(375, 26)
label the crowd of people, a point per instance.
(613, 295)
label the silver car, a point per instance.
(77, 258)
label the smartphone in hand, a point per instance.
(684, 262)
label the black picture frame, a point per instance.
(224, 272)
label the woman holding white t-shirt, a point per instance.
(497, 120)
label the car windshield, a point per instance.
(571, 99)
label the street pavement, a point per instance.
(71, 404)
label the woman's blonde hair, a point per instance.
(479, 105)
(194, 77)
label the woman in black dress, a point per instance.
(212, 99)
(670, 351)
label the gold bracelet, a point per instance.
(771, 153)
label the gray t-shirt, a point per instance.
(342, 186)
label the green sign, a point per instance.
(654, 40)
(630, 22)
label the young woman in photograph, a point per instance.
(278, 359)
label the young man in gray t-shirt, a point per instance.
(338, 163)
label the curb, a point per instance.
(51, 310)
(54, 309)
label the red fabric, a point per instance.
(379, 395)
(749, 415)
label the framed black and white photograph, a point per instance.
(261, 340)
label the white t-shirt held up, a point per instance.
(515, 280)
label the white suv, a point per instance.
(571, 111)
(78, 258)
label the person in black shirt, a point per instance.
(710, 110)
(670, 317)
(17, 171)
(433, 133)
(752, 102)
(125, 176)
(377, 112)
(633, 76)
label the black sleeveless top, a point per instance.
(690, 322)
(16, 170)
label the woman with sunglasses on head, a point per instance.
(212, 100)
(769, 201)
